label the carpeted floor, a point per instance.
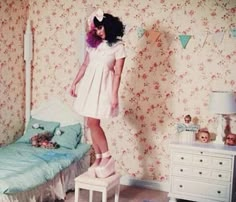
(127, 194)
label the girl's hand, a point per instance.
(114, 102)
(73, 91)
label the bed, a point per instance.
(36, 174)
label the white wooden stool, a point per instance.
(103, 185)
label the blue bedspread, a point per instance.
(23, 167)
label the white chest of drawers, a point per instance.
(202, 172)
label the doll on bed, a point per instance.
(43, 140)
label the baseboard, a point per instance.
(149, 184)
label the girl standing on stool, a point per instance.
(99, 78)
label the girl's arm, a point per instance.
(116, 82)
(79, 75)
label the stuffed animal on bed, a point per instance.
(43, 140)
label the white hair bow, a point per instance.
(98, 14)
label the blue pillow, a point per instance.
(68, 136)
(38, 126)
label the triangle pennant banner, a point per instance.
(184, 39)
(132, 36)
(140, 32)
(128, 28)
(218, 37)
(152, 36)
(233, 32)
(202, 38)
(168, 39)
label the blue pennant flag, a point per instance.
(184, 39)
(233, 32)
(140, 32)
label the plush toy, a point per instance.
(203, 136)
(230, 139)
(43, 140)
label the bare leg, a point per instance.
(98, 138)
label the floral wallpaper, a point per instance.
(177, 52)
(13, 15)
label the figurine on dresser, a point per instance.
(203, 135)
(230, 139)
(186, 131)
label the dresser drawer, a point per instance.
(181, 170)
(182, 158)
(200, 189)
(204, 161)
(221, 175)
(201, 172)
(222, 163)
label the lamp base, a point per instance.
(220, 131)
(219, 139)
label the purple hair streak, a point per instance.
(93, 39)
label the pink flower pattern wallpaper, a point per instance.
(164, 78)
(13, 16)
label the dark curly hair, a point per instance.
(114, 28)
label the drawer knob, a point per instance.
(182, 158)
(181, 170)
(218, 192)
(200, 173)
(181, 186)
(219, 175)
(221, 163)
(201, 160)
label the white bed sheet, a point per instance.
(53, 189)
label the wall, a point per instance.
(162, 81)
(13, 22)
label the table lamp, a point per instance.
(222, 103)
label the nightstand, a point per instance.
(203, 172)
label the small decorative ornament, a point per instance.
(58, 132)
(37, 126)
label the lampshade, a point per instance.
(222, 102)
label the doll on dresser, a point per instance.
(203, 135)
(186, 131)
(230, 137)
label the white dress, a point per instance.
(94, 92)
